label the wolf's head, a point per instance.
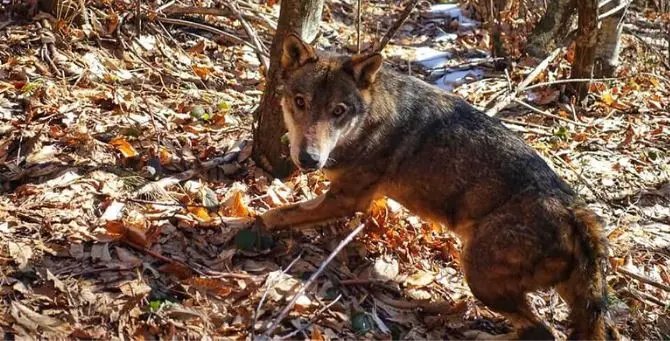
(324, 99)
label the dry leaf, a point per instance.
(127, 257)
(20, 253)
(236, 207)
(135, 289)
(176, 269)
(316, 334)
(211, 285)
(201, 72)
(200, 212)
(607, 98)
(58, 284)
(124, 147)
(32, 320)
(198, 48)
(420, 279)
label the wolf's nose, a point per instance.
(308, 160)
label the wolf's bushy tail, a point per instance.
(586, 288)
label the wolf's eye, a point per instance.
(299, 102)
(340, 109)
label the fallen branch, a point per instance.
(396, 26)
(644, 297)
(564, 81)
(522, 86)
(358, 27)
(265, 294)
(210, 29)
(218, 12)
(525, 127)
(260, 48)
(311, 279)
(424, 305)
(548, 114)
(643, 279)
(614, 10)
(312, 320)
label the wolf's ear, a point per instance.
(364, 68)
(295, 52)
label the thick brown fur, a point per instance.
(377, 133)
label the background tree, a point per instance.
(609, 37)
(552, 29)
(585, 47)
(595, 45)
(303, 18)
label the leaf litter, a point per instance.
(127, 179)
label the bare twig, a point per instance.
(312, 320)
(358, 27)
(210, 29)
(265, 294)
(261, 51)
(401, 20)
(219, 12)
(311, 279)
(425, 305)
(643, 279)
(548, 114)
(138, 17)
(614, 10)
(161, 257)
(564, 81)
(522, 86)
(534, 128)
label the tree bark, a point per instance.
(609, 40)
(587, 36)
(552, 29)
(301, 17)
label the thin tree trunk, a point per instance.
(609, 40)
(587, 37)
(301, 17)
(552, 29)
(493, 8)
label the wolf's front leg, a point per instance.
(324, 208)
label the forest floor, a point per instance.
(126, 176)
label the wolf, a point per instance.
(375, 133)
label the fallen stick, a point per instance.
(312, 278)
(210, 29)
(269, 284)
(396, 26)
(312, 320)
(218, 12)
(643, 279)
(252, 35)
(548, 114)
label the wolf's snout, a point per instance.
(309, 159)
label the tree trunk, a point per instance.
(552, 29)
(609, 37)
(493, 9)
(301, 17)
(587, 36)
